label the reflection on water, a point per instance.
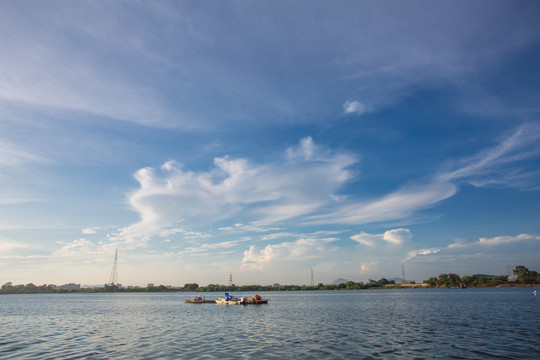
(414, 323)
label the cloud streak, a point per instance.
(479, 248)
(491, 163)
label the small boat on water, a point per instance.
(257, 300)
(231, 300)
(199, 300)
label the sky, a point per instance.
(264, 139)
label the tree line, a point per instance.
(349, 285)
(522, 276)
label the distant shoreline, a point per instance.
(523, 277)
(305, 288)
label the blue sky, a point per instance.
(267, 138)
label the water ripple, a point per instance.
(394, 324)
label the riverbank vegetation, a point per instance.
(522, 277)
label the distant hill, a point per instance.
(338, 281)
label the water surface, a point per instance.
(395, 324)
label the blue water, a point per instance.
(394, 324)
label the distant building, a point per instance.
(92, 286)
(70, 286)
(150, 284)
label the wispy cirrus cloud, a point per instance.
(14, 155)
(81, 64)
(494, 165)
(209, 247)
(396, 205)
(484, 168)
(482, 247)
(497, 240)
(78, 247)
(508, 239)
(186, 234)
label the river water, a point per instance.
(477, 323)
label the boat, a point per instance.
(199, 300)
(231, 300)
(257, 300)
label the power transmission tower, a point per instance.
(230, 280)
(312, 279)
(403, 281)
(113, 280)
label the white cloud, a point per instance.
(367, 267)
(276, 236)
(79, 247)
(302, 185)
(186, 234)
(397, 205)
(356, 107)
(302, 249)
(508, 239)
(366, 239)
(266, 193)
(208, 247)
(397, 236)
(413, 253)
(394, 237)
(248, 228)
(88, 231)
(497, 240)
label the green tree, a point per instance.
(191, 287)
(454, 281)
(30, 288)
(443, 280)
(525, 276)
